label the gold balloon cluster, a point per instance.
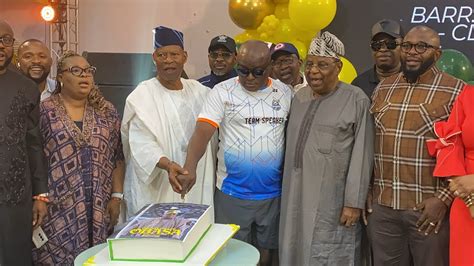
(293, 21)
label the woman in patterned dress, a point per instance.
(81, 132)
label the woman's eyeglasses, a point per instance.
(78, 71)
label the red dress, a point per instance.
(454, 152)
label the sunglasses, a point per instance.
(389, 44)
(224, 55)
(256, 72)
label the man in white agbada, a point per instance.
(159, 118)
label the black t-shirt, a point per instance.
(212, 80)
(367, 81)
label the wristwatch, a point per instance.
(117, 195)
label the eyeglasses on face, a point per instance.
(420, 47)
(224, 55)
(78, 71)
(389, 44)
(283, 62)
(7, 40)
(256, 72)
(321, 66)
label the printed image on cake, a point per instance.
(161, 232)
(172, 221)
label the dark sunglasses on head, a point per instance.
(389, 44)
(256, 72)
(225, 55)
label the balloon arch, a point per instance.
(298, 21)
(293, 21)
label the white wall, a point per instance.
(126, 25)
(25, 19)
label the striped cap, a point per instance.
(327, 45)
(164, 36)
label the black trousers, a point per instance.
(15, 235)
(395, 239)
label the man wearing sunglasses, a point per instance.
(23, 173)
(250, 112)
(410, 206)
(385, 45)
(286, 64)
(222, 54)
(34, 61)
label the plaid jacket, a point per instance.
(404, 115)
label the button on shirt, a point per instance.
(404, 115)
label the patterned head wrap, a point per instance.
(327, 45)
(164, 36)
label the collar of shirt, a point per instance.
(373, 78)
(50, 85)
(227, 76)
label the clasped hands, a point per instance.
(181, 180)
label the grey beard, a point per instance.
(219, 73)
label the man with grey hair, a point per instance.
(328, 164)
(222, 55)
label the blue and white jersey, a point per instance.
(252, 137)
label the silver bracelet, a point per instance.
(117, 195)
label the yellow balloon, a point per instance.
(246, 35)
(280, 1)
(249, 14)
(302, 50)
(269, 25)
(312, 14)
(281, 11)
(348, 72)
(305, 35)
(286, 31)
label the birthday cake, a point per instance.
(162, 232)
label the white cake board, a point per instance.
(214, 240)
